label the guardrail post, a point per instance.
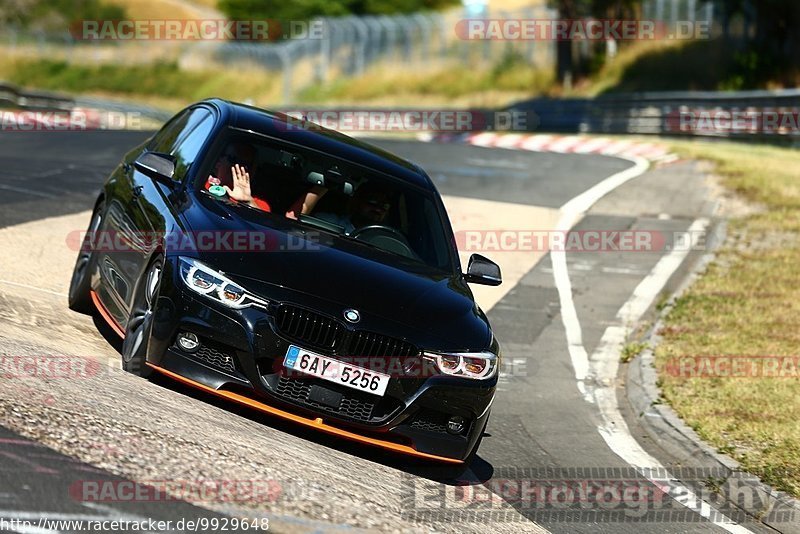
(389, 26)
(324, 49)
(424, 25)
(286, 68)
(407, 27)
(361, 44)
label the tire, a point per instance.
(140, 322)
(79, 299)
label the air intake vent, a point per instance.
(363, 344)
(308, 327)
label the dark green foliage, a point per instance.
(56, 15)
(306, 9)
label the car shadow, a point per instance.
(107, 332)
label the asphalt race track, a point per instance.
(546, 426)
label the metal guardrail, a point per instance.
(13, 96)
(765, 116)
(772, 116)
(149, 112)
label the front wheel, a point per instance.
(140, 322)
(79, 299)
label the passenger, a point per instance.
(233, 171)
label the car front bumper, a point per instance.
(241, 359)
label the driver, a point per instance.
(370, 205)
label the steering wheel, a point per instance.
(385, 237)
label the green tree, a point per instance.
(306, 9)
(56, 15)
(772, 50)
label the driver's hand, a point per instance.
(241, 185)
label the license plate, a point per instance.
(335, 371)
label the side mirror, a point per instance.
(482, 270)
(157, 166)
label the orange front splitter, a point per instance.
(317, 423)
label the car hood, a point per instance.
(332, 274)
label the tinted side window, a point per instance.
(189, 147)
(166, 139)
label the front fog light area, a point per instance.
(456, 425)
(188, 341)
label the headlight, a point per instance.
(204, 280)
(477, 365)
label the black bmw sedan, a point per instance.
(298, 271)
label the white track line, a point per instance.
(33, 288)
(604, 362)
(571, 212)
(25, 191)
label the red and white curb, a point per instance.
(563, 144)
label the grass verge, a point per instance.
(166, 84)
(747, 303)
(496, 85)
(161, 81)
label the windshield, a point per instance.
(319, 190)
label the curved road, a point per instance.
(61, 434)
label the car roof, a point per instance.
(274, 124)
